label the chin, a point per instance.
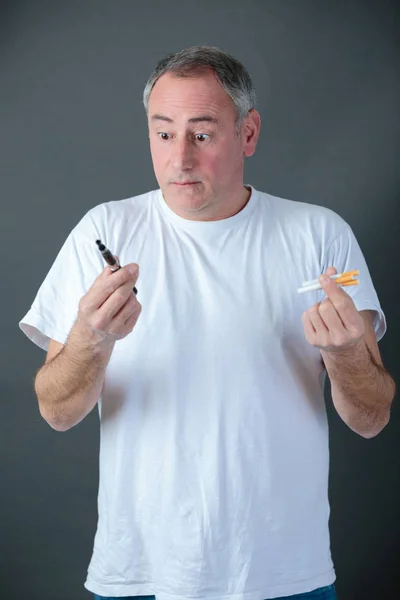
(194, 192)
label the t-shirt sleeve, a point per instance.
(344, 253)
(55, 307)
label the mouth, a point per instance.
(185, 183)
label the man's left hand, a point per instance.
(335, 323)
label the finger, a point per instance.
(133, 317)
(330, 316)
(116, 301)
(316, 320)
(126, 325)
(132, 270)
(334, 291)
(109, 281)
(308, 328)
(129, 309)
(342, 302)
(131, 321)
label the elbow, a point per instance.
(370, 434)
(370, 422)
(58, 424)
(378, 426)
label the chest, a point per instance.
(230, 290)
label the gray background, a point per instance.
(73, 134)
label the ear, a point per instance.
(250, 131)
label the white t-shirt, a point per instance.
(214, 449)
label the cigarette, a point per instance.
(346, 273)
(344, 279)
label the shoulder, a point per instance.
(114, 211)
(115, 214)
(302, 218)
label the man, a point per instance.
(214, 437)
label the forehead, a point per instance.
(183, 96)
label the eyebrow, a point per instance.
(202, 118)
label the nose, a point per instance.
(182, 158)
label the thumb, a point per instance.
(330, 271)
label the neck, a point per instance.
(216, 211)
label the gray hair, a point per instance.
(230, 73)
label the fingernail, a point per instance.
(324, 279)
(133, 269)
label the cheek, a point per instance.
(209, 163)
(223, 163)
(219, 158)
(158, 156)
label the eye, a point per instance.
(202, 137)
(164, 136)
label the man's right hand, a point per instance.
(109, 310)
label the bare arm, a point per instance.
(69, 384)
(362, 390)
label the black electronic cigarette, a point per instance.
(110, 259)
